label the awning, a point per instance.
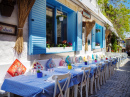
(113, 30)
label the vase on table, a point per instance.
(39, 74)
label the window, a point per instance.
(61, 28)
(50, 25)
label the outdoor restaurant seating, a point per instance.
(85, 80)
(64, 87)
(99, 73)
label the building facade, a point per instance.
(44, 33)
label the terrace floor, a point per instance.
(118, 85)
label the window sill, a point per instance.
(97, 47)
(58, 49)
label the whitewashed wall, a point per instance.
(7, 42)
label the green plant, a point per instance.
(85, 61)
(38, 71)
(69, 64)
(118, 13)
(48, 45)
(59, 45)
(95, 59)
(97, 30)
(64, 45)
(64, 16)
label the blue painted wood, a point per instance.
(37, 28)
(79, 31)
(103, 36)
(71, 31)
(99, 35)
(93, 32)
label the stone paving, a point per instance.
(118, 85)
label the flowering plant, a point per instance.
(47, 44)
(97, 30)
(97, 44)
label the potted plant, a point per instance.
(101, 58)
(97, 44)
(7, 7)
(47, 45)
(97, 30)
(95, 60)
(69, 66)
(39, 74)
(85, 62)
(61, 17)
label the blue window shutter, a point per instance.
(103, 28)
(79, 31)
(37, 28)
(93, 32)
(101, 38)
(71, 28)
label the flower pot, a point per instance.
(69, 67)
(85, 63)
(61, 18)
(39, 75)
(106, 58)
(95, 60)
(6, 10)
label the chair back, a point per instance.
(84, 77)
(57, 78)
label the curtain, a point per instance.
(24, 8)
(89, 27)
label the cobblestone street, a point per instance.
(118, 85)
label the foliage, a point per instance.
(114, 43)
(63, 44)
(38, 71)
(118, 14)
(97, 44)
(97, 30)
(69, 64)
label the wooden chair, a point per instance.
(57, 78)
(97, 77)
(85, 81)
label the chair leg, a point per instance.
(75, 90)
(8, 94)
(91, 85)
(98, 83)
(95, 85)
(68, 92)
(88, 83)
(101, 78)
(86, 89)
(81, 91)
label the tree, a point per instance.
(117, 13)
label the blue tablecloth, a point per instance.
(31, 86)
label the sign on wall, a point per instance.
(8, 29)
(86, 14)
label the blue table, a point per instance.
(31, 86)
